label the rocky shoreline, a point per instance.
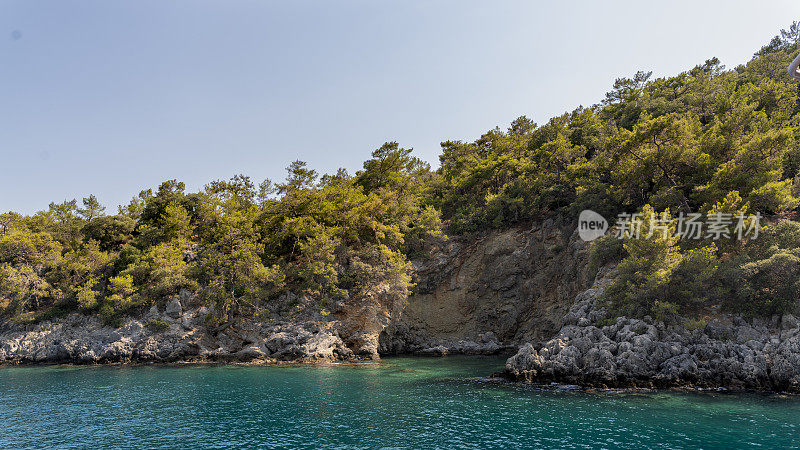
(728, 352)
(522, 290)
(178, 335)
(482, 294)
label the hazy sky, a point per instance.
(113, 97)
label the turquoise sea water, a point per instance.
(400, 403)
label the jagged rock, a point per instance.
(173, 308)
(439, 350)
(84, 339)
(252, 352)
(324, 345)
(152, 313)
(728, 352)
(789, 321)
(184, 333)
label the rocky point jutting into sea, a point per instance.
(727, 352)
(526, 288)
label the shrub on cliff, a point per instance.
(110, 232)
(646, 272)
(160, 271)
(765, 276)
(605, 250)
(655, 276)
(770, 286)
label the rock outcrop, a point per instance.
(492, 292)
(727, 352)
(178, 334)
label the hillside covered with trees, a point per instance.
(705, 140)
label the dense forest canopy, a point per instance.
(706, 140)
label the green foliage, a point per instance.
(695, 279)
(380, 270)
(9, 222)
(32, 249)
(121, 298)
(508, 177)
(756, 172)
(86, 295)
(62, 222)
(120, 288)
(160, 271)
(21, 288)
(695, 324)
(318, 269)
(645, 273)
(706, 140)
(78, 273)
(605, 250)
(232, 269)
(760, 278)
(91, 208)
(770, 286)
(157, 325)
(765, 280)
(110, 232)
(608, 321)
(664, 311)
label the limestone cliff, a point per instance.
(474, 295)
(492, 292)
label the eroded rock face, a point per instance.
(181, 335)
(476, 295)
(514, 286)
(728, 352)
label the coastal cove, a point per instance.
(403, 402)
(400, 225)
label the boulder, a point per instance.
(173, 309)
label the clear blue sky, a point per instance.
(110, 97)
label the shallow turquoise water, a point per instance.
(403, 402)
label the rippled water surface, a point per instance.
(402, 402)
